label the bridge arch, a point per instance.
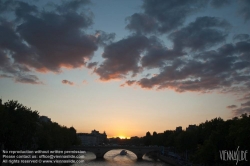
(127, 149)
(100, 151)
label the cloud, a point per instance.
(220, 3)
(156, 56)
(201, 34)
(27, 79)
(24, 10)
(67, 82)
(245, 97)
(103, 38)
(10, 44)
(232, 106)
(162, 16)
(246, 104)
(169, 14)
(73, 5)
(19, 72)
(61, 42)
(241, 37)
(245, 107)
(199, 59)
(240, 111)
(227, 67)
(122, 57)
(6, 5)
(141, 23)
(5, 76)
(91, 65)
(244, 11)
(129, 83)
(46, 40)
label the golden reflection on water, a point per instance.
(113, 158)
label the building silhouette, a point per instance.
(93, 138)
(191, 128)
(178, 129)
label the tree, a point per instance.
(18, 125)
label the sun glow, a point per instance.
(123, 137)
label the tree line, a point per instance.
(202, 145)
(22, 129)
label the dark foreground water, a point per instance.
(113, 158)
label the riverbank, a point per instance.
(168, 160)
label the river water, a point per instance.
(113, 158)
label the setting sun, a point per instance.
(123, 137)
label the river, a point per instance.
(113, 158)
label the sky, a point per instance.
(126, 67)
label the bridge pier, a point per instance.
(99, 155)
(139, 156)
(100, 151)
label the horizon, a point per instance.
(127, 67)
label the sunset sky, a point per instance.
(127, 66)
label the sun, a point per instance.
(122, 137)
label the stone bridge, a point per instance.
(100, 151)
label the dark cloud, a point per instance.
(61, 42)
(122, 57)
(156, 57)
(245, 97)
(203, 33)
(246, 104)
(129, 82)
(91, 65)
(227, 67)
(67, 82)
(10, 42)
(19, 72)
(161, 16)
(5, 5)
(231, 106)
(240, 111)
(103, 38)
(24, 9)
(5, 64)
(141, 23)
(44, 40)
(241, 37)
(27, 79)
(169, 14)
(220, 3)
(71, 5)
(245, 107)
(244, 49)
(245, 9)
(157, 54)
(186, 79)
(5, 76)
(48, 41)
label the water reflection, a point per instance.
(113, 158)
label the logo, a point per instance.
(230, 155)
